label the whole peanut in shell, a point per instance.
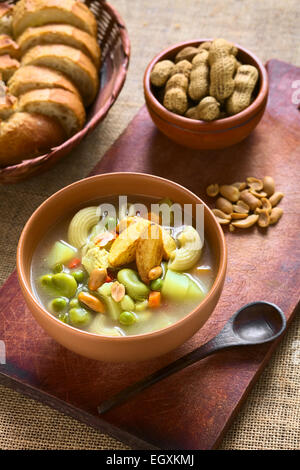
(184, 66)
(244, 84)
(191, 113)
(187, 53)
(175, 98)
(199, 77)
(222, 68)
(208, 109)
(205, 45)
(161, 72)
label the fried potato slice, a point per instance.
(124, 223)
(123, 249)
(169, 244)
(117, 250)
(149, 251)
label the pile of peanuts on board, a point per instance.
(243, 204)
(205, 82)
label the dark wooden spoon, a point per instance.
(255, 323)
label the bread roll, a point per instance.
(8, 46)
(71, 62)
(5, 19)
(60, 34)
(26, 135)
(56, 103)
(32, 77)
(29, 13)
(8, 66)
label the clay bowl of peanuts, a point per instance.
(206, 93)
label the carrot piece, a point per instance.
(74, 263)
(154, 299)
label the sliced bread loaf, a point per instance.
(33, 77)
(29, 13)
(56, 103)
(69, 61)
(60, 34)
(26, 135)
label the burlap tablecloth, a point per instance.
(270, 418)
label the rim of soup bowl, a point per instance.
(26, 284)
(223, 124)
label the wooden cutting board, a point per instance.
(192, 409)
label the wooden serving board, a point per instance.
(192, 409)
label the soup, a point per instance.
(120, 269)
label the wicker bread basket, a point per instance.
(115, 51)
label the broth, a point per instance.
(145, 318)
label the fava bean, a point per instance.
(79, 316)
(105, 289)
(127, 303)
(133, 285)
(46, 280)
(65, 284)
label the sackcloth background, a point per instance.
(270, 28)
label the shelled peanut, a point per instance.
(205, 82)
(243, 204)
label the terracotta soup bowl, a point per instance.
(121, 348)
(216, 134)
